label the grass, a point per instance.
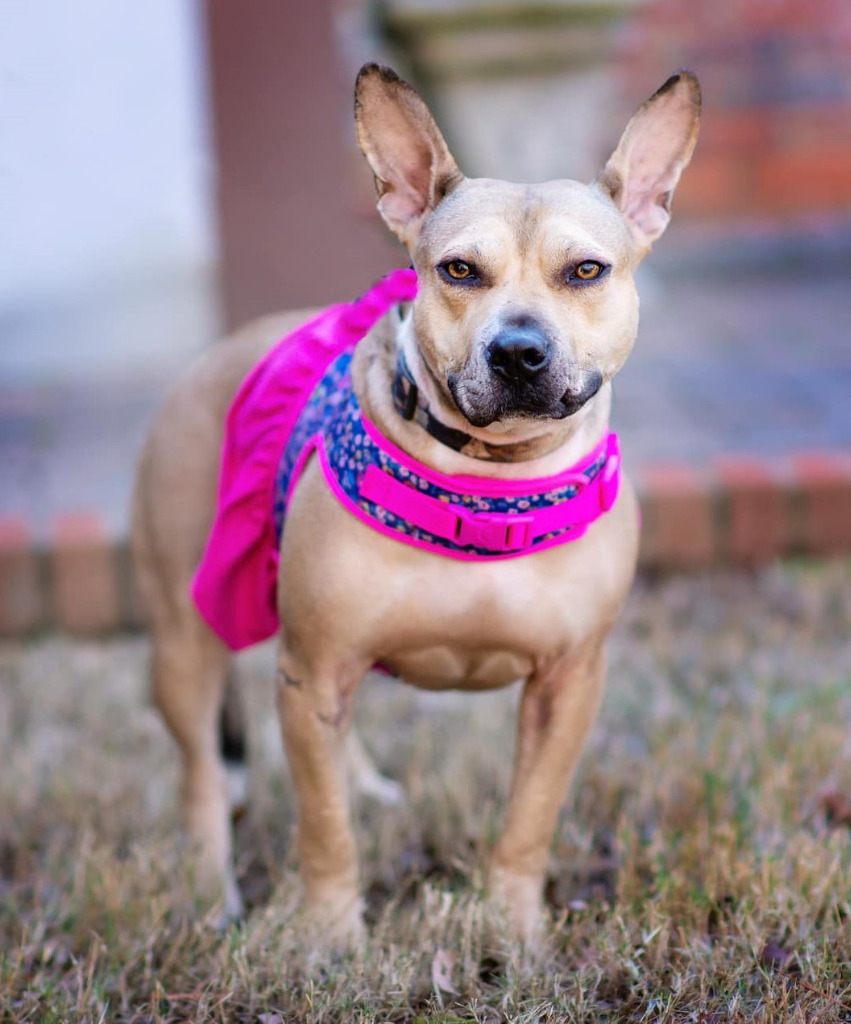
(700, 871)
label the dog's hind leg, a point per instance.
(189, 673)
(233, 746)
(173, 507)
(366, 779)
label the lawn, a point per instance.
(701, 870)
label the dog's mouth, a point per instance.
(485, 403)
(574, 398)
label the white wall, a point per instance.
(105, 173)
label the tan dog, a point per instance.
(526, 310)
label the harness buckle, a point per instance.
(494, 531)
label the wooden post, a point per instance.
(291, 233)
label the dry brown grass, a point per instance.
(700, 871)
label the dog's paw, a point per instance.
(221, 910)
(517, 899)
(335, 925)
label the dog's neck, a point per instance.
(522, 448)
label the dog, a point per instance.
(495, 376)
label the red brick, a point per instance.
(85, 585)
(714, 183)
(813, 178)
(702, 19)
(755, 510)
(810, 126)
(799, 18)
(786, 135)
(735, 133)
(822, 481)
(21, 606)
(678, 521)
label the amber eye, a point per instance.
(588, 270)
(458, 270)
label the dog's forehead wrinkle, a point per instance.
(586, 206)
(491, 219)
(573, 235)
(475, 203)
(528, 221)
(478, 244)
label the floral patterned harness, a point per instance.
(299, 401)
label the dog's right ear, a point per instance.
(412, 166)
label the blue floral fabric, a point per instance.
(324, 405)
(334, 412)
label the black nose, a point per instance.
(519, 354)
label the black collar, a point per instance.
(411, 405)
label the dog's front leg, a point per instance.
(315, 710)
(556, 711)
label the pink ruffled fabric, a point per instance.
(235, 586)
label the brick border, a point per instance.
(80, 581)
(745, 510)
(738, 510)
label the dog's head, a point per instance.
(526, 301)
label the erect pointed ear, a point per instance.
(413, 168)
(656, 146)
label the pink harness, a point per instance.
(298, 400)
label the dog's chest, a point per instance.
(479, 626)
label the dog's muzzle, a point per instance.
(524, 382)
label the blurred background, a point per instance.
(173, 168)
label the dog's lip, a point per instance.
(573, 402)
(570, 404)
(482, 421)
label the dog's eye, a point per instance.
(458, 270)
(588, 270)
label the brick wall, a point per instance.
(776, 74)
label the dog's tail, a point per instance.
(233, 746)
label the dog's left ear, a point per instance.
(656, 146)
(412, 165)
